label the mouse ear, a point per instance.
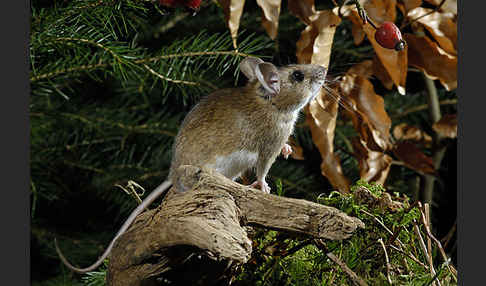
(248, 66)
(267, 75)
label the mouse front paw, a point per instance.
(286, 150)
(263, 186)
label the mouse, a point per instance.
(233, 130)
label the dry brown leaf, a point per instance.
(380, 72)
(403, 131)
(314, 46)
(413, 157)
(434, 2)
(297, 151)
(409, 5)
(315, 42)
(271, 12)
(356, 28)
(380, 10)
(232, 13)
(302, 9)
(395, 62)
(427, 56)
(449, 6)
(373, 166)
(370, 118)
(446, 126)
(321, 119)
(363, 69)
(440, 25)
(356, 22)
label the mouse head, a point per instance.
(288, 88)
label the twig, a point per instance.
(426, 221)
(361, 12)
(144, 128)
(439, 152)
(449, 235)
(140, 61)
(354, 277)
(409, 256)
(400, 243)
(394, 236)
(84, 167)
(422, 107)
(130, 190)
(192, 54)
(379, 222)
(169, 79)
(438, 273)
(425, 15)
(68, 70)
(69, 39)
(451, 268)
(388, 267)
(424, 248)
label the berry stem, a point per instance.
(361, 12)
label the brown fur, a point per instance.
(244, 119)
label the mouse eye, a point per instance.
(298, 76)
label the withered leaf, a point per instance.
(446, 126)
(427, 56)
(403, 131)
(370, 118)
(297, 151)
(380, 10)
(232, 13)
(373, 166)
(302, 9)
(380, 72)
(321, 115)
(408, 5)
(395, 62)
(356, 28)
(314, 46)
(315, 42)
(363, 69)
(440, 25)
(271, 12)
(449, 6)
(413, 157)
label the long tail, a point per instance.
(145, 203)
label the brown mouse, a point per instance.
(236, 129)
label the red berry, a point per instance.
(193, 4)
(388, 36)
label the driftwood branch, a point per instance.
(199, 237)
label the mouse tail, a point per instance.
(145, 203)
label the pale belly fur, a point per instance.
(232, 165)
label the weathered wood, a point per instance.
(199, 234)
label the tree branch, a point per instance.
(204, 227)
